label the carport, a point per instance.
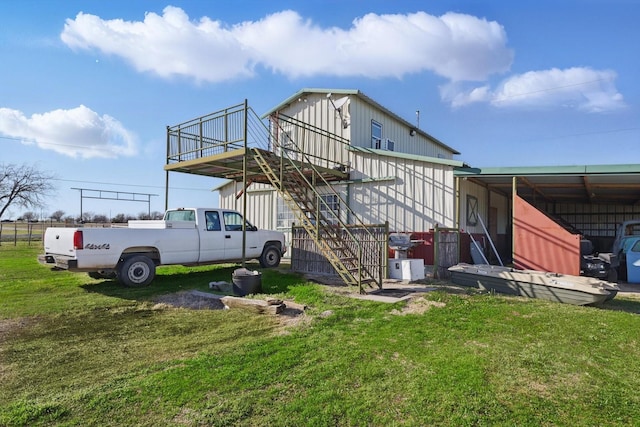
(549, 208)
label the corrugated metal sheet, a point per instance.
(261, 208)
(420, 196)
(363, 113)
(467, 189)
(317, 110)
(541, 244)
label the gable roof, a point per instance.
(363, 97)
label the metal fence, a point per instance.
(306, 258)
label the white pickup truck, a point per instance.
(186, 236)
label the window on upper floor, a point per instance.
(376, 135)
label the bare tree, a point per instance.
(29, 216)
(157, 215)
(25, 186)
(87, 217)
(101, 219)
(119, 218)
(57, 215)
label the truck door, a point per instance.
(233, 238)
(633, 263)
(212, 239)
(232, 235)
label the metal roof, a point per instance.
(598, 184)
(359, 94)
(386, 153)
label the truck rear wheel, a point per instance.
(137, 271)
(270, 257)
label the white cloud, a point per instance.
(79, 132)
(577, 88)
(455, 46)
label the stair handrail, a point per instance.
(350, 213)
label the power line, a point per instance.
(130, 185)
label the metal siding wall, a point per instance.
(542, 244)
(362, 113)
(227, 196)
(261, 207)
(595, 219)
(316, 110)
(420, 197)
(480, 193)
(502, 203)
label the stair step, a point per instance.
(295, 182)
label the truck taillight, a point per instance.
(77, 240)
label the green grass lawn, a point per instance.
(78, 351)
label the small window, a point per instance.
(213, 221)
(472, 210)
(330, 207)
(285, 216)
(376, 135)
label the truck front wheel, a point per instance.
(136, 271)
(270, 257)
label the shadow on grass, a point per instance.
(178, 279)
(630, 305)
(626, 300)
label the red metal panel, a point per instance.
(541, 244)
(425, 249)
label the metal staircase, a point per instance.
(298, 183)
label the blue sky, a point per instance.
(87, 88)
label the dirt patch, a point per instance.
(293, 315)
(418, 305)
(10, 326)
(186, 299)
(292, 318)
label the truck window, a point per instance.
(232, 221)
(632, 230)
(213, 221)
(180, 216)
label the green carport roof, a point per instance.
(616, 184)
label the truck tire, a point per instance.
(136, 271)
(270, 257)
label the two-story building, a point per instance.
(398, 173)
(374, 167)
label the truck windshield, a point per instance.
(180, 215)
